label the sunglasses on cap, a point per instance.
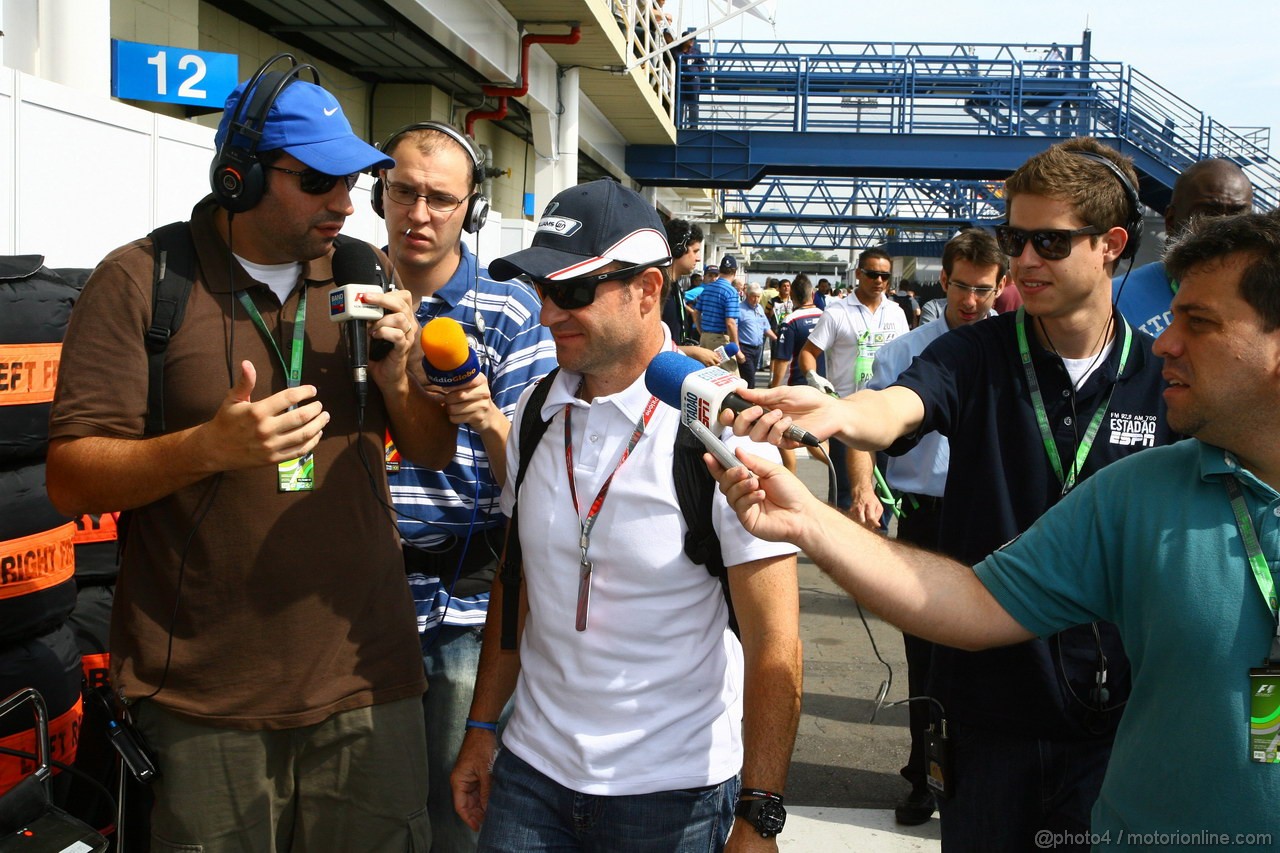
(312, 182)
(1052, 244)
(581, 291)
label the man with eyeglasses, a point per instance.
(974, 271)
(1214, 187)
(849, 334)
(635, 705)
(451, 526)
(1032, 403)
(262, 634)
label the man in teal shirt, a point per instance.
(1153, 543)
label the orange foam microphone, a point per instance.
(450, 360)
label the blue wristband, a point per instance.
(476, 724)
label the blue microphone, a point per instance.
(701, 393)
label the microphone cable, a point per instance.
(435, 630)
(485, 366)
(211, 491)
(942, 713)
(888, 682)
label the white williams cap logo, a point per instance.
(561, 225)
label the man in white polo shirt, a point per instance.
(636, 707)
(849, 334)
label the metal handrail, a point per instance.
(981, 89)
(30, 694)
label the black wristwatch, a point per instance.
(764, 811)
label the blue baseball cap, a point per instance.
(307, 122)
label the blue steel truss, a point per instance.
(841, 212)
(904, 200)
(929, 110)
(825, 236)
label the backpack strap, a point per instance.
(695, 491)
(173, 277)
(530, 431)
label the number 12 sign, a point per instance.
(174, 75)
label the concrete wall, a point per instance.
(84, 173)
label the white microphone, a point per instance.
(712, 443)
(700, 393)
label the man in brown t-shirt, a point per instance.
(263, 635)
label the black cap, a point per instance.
(728, 262)
(585, 228)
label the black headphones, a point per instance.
(477, 205)
(1134, 224)
(680, 234)
(235, 176)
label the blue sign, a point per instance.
(174, 75)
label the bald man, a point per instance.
(1215, 187)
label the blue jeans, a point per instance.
(530, 813)
(1008, 787)
(450, 661)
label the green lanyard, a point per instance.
(1037, 402)
(1257, 562)
(294, 367)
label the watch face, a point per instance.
(770, 818)
(767, 816)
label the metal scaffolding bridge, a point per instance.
(840, 145)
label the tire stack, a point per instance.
(38, 587)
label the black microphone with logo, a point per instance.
(357, 273)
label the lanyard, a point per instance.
(584, 541)
(863, 311)
(1257, 562)
(1037, 402)
(293, 368)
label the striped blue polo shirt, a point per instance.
(514, 350)
(717, 301)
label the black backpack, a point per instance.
(695, 489)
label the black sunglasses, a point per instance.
(580, 292)
(883, 276)
(1052, 244)
(312, 182)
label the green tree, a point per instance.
(790, 254)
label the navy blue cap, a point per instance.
(728, 262)
(585, 228)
